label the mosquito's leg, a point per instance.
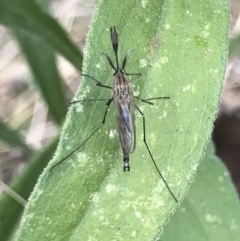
(148, 100)
(137, 75)
(75, 150)
(98, 83)
(143, 100)
(157, 98)
(145, 142)
(77, 101)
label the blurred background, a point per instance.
(28, 124)
(23, 105)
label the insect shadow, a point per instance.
(123, 99)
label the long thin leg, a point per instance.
(138, 75)
(77, 101)
(143, 100)
(137, 97)
(145, 142)
(157, 98)
(75, 150)
(149, 102)
(98, 83)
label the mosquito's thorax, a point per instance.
(121, 87)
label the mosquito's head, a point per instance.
(114, 40)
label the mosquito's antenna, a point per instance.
(114, 39)
(125, 59)
(110, 61)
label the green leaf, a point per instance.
(210, 210)
(13, 138)
(181, 50)
(28, 16)
(10, 209)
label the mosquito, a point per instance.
(123, 99)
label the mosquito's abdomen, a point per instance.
(126, 125)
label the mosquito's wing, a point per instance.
(126, 124)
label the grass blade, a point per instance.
(13, 138)
(41, 59)
(28, 16)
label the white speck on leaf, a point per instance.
(28, 217)
(220, 178)
(194, 166)
(213, 71)
(211, 218)
(136, 92)
(82, 159)
(163, 60)
(207, 26)
(205, 32)
(79, 107)
(156, 200)
(164, 114)
(143, 63)
(95, 198)
(167, 26)
(144, 3)
(169, 168)
(226, 174)
(68, 148)
(39, 193)
(222, 189)
(112, 134)
(73, 205)
(110, 188)
(186, 88)
(217, 11)
(138, 214)
(233, 224)
(91, 238)
(134, 233)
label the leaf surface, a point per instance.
(210, 210)
(181, 50)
